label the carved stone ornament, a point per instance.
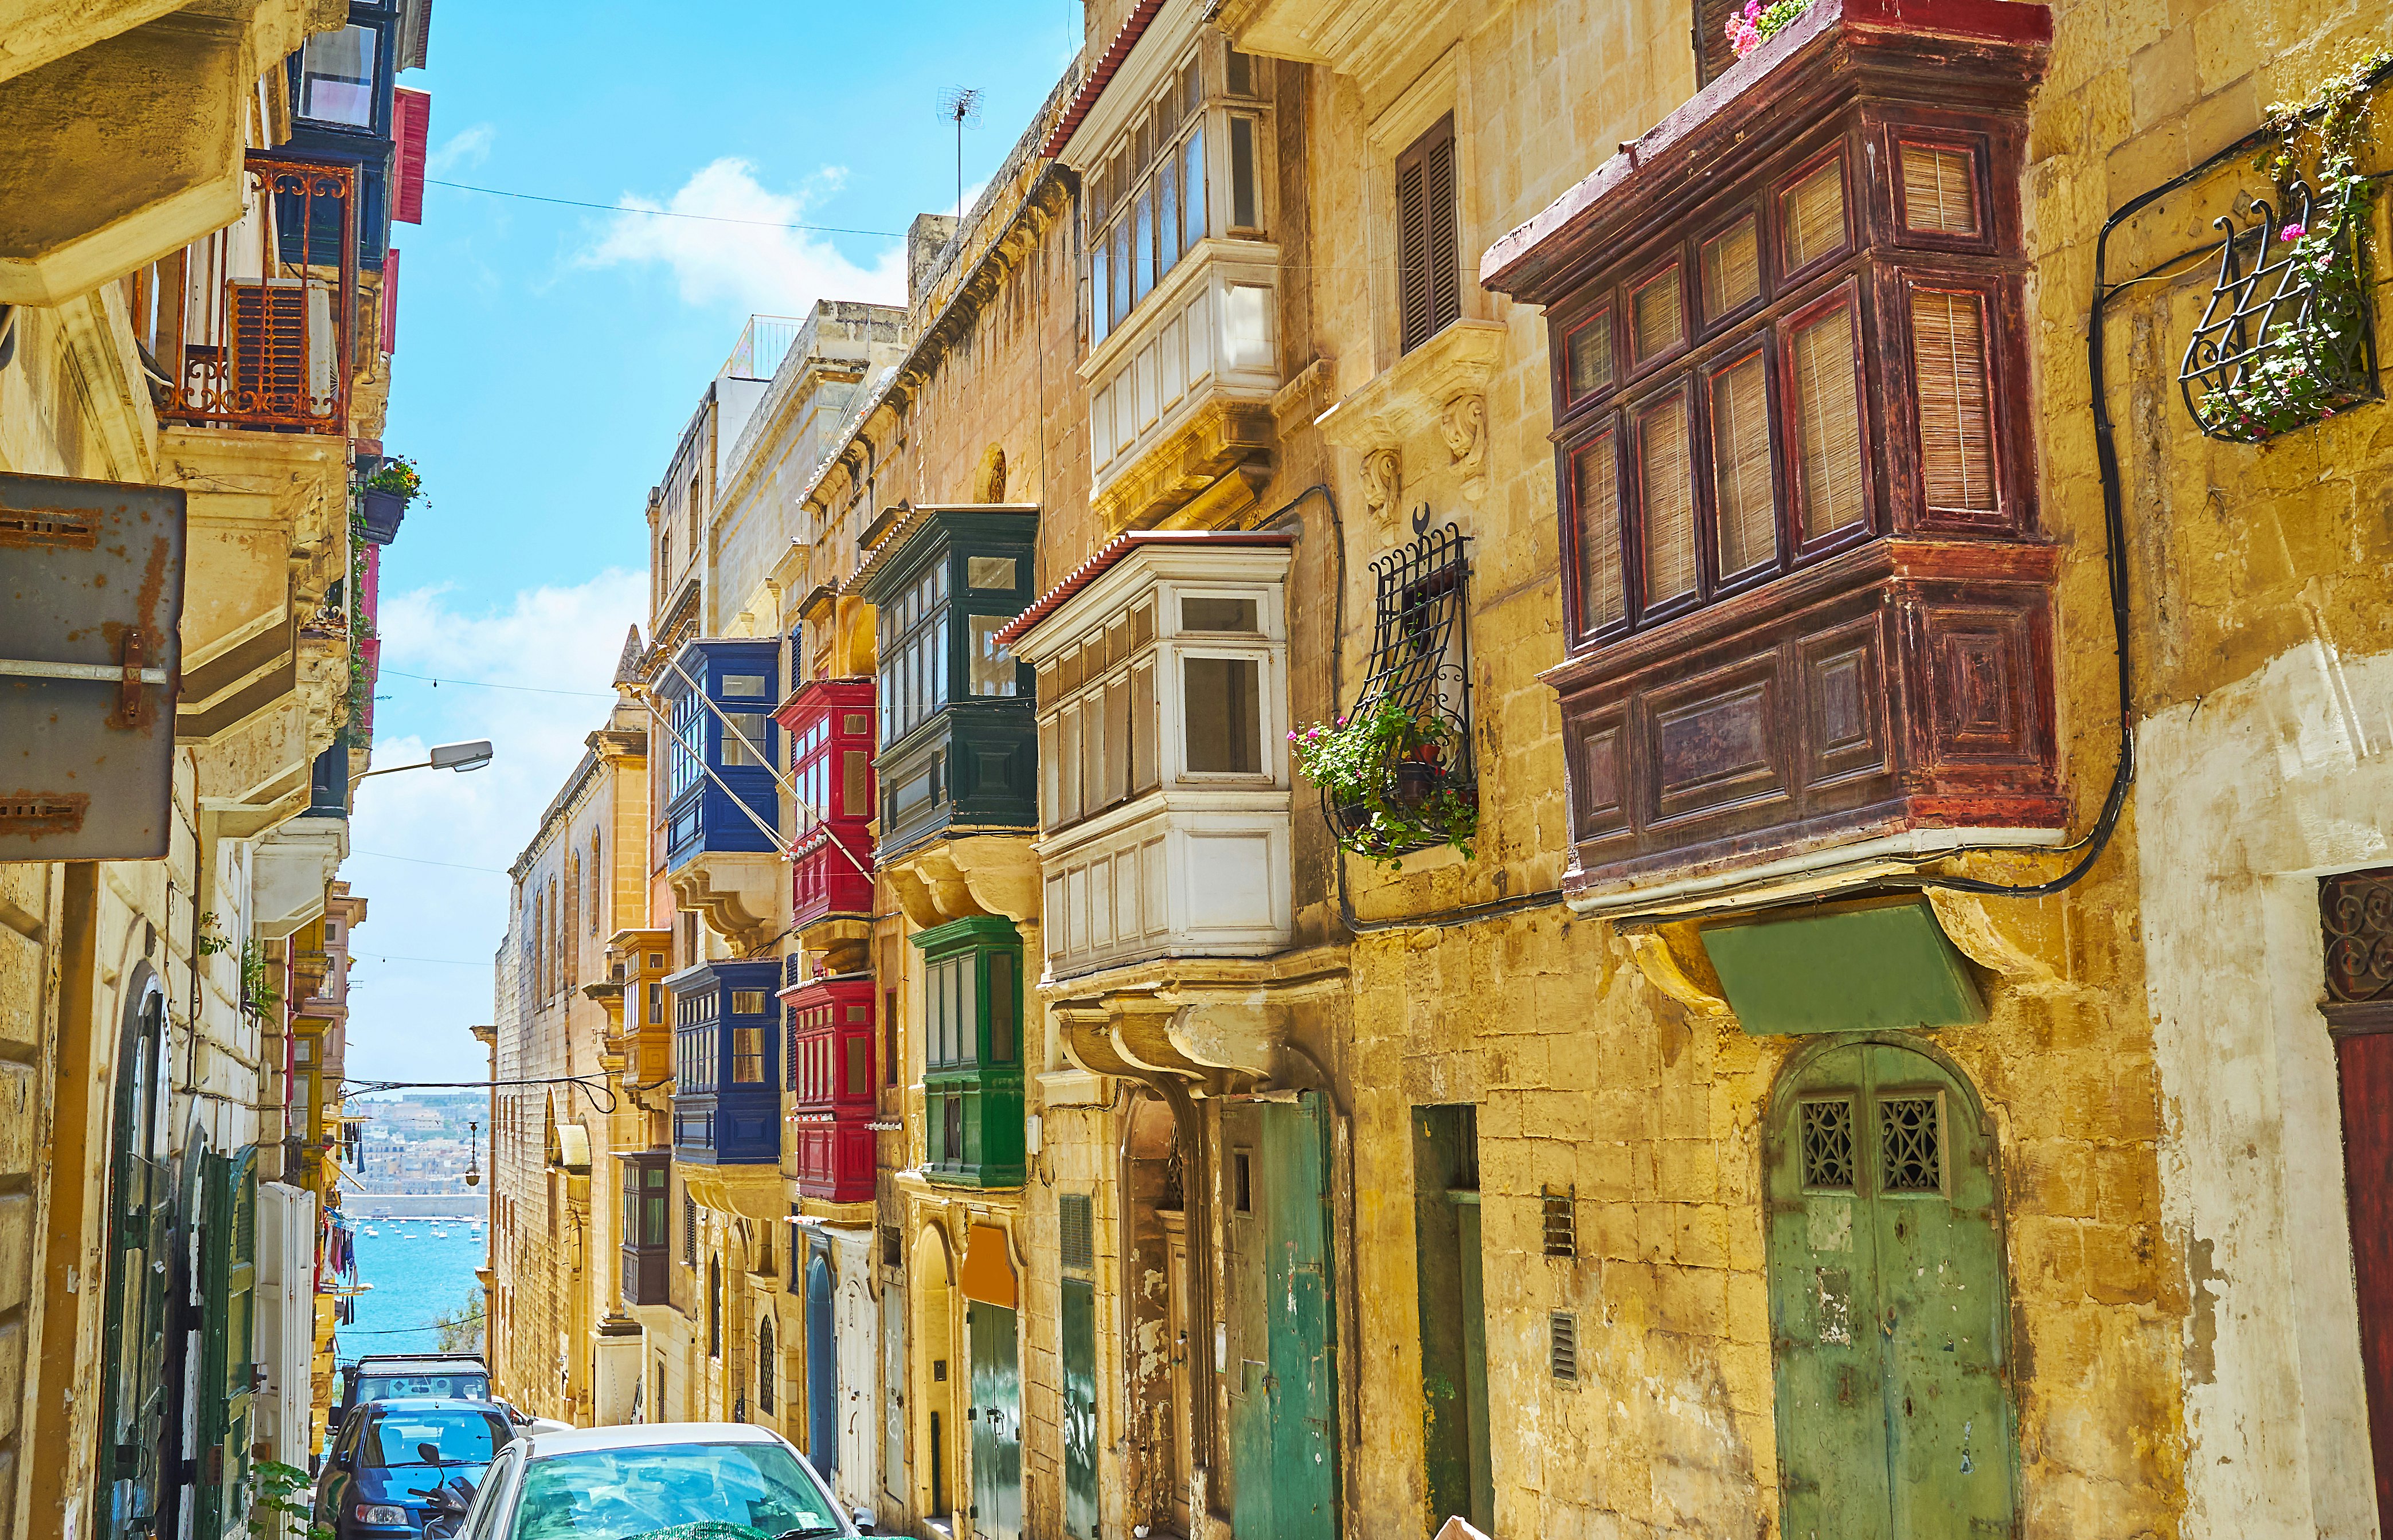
(1463, 425)
(1383, 480)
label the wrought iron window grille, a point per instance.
(2286, 340)
(1420, 786)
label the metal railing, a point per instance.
(265, 326)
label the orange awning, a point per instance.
(988, 1271)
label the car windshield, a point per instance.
(616, 1494)
(390, 1387)
(390, 1440)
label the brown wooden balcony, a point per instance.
(265, 336)
(1807, 596)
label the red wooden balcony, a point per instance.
(266, 335)
(1807, 594)
(830, 723)
(832, 1095)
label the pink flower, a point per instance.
(2293, 232)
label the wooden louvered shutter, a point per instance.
(1713, 55)
(1956, 437)
(269, 347)
(410, 129)
(1429, 259)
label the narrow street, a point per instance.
(1260, 770)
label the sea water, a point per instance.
(417, 1279)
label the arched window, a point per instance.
(595, 888)
(766, 1377)
(715, 1307)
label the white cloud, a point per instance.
(753, 266)
(431, 927)
(464, 150)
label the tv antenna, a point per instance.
(961, 106)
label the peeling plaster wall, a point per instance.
(2249, 793)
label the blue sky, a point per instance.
(548, 357)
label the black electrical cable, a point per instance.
(2115, 528)
(1438, 919)
(351, 1086)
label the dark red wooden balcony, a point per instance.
(833, 1086)
(1807, 594)
(830, 723)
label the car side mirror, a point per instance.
(863, 1518)
(428, 1453)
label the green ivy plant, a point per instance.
(282, 1495)
(2301, 373)
(1356, 762)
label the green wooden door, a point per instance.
(995, 1418)
(1283, 1389)
(1079, 1350)
(140, 1213)
(1887, 1304)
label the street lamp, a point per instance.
(472, 1154)
(448, 756)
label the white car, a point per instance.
(674, 1480)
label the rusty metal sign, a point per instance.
(91, 605)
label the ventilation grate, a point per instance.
(1910, 1146)
(1075, 1240)
(1561, 1223)
(892, 1246)
(1829, 1145)
(1563, 1326)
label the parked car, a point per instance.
(379, 1376)
(392, 1458)
(612, 1483)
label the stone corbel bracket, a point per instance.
(1429, 408)
(741, 910)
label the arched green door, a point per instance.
(1887, 1304)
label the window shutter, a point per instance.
(1666, 493)
(390, 300)
(1938, 192)
(270, 345)
(1713, 55)
(1813, 217)
(1428, 264)
(1596, 478)
(1956, 440)
(1827, 425)
(1747, 509)
(411, 130)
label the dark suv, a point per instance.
(394, 1455)
(379, 1376)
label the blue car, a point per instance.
(393, 1455)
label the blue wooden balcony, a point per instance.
(727, 1103)
(710, 771)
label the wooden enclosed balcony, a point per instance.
(1807, 596)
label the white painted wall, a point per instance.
(2246, 798)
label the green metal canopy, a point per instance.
(1852, 971)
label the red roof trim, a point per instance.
(1095, 86)
(1112, 551)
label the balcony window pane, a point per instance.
(1142, 728)
(859, 1074)
(1198, 614)
(1000, 1007)
(1939, 193)
(937, 696)
(1596, 485)
(1141, 255)
(993, 671)
(1121, 269)
(1242, 175)
(1166, 216)
(1827, 425)
(1655, 316)
(967, 1009)
(747, 1003)
(1067, 766)
(1100, 292)
(1192, 178)
(1743, 495)
(1094, 793)
(1957, 439)
(1732, 270)
(746, 685)
(1118, 734)
(1589, 353)
(1812, 215)
(749, 725)
(336, 72)
(1221, 711)
(748, 1056)
(1666, 489)
(854, 767)
(1192, 88)
(992, 572)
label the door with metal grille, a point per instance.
(1888, 1302)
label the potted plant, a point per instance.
(1388, 777)
(383, 498)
